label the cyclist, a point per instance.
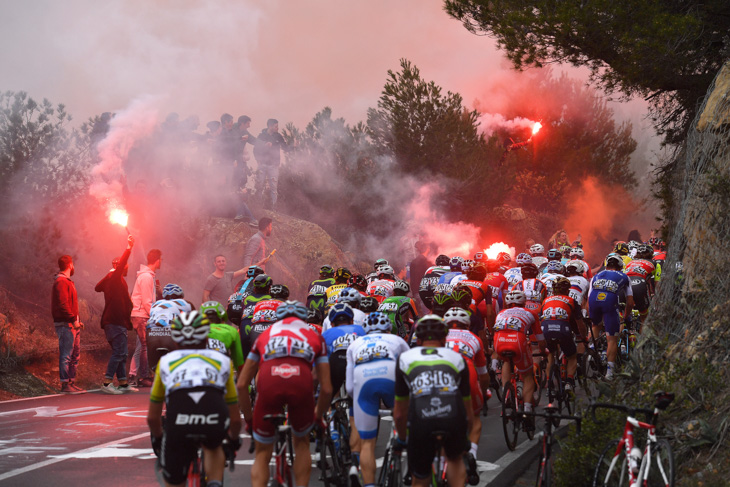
(374, 275)
(283, 356)
(496, 280)
(560, 320)
(261, 289)
(400, 309)
(442, 299)
(538, 255)
(641, 271)
(514, 275)
(603, 305)
(565, 252)
(338, 337)
(512, 332)
(353, 298)
(471, 347)
(222, 336)
(574, 271)
(317, 294)
(432, 393)
(505, 261)
(358, 282)
(235, 301)
(368, 304)
(279, 292)
(577, 253)
(264, 311)
(162, 312)
(622, 249)
(382, 287)
(535, 291)
(371, 364)
(431, 278)
(553, 270)
(342, 275)
(194, 383)
(481, 294)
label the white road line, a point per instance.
(43, 397)
(109, 410)
(45, 463)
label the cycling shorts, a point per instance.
(603, 306)
(422, 446)
(558, 333)
(190, 424)
(516, 342)
(477, 398)
(372, 382)
(641, 293)
(338, 369)
(283, 382)
(158, 337)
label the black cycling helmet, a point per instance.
(315, 316)
(462, 296)
(554, 254)
(262, 283)
(529, 271)
(431, 327)
(280, 292)
(478, 272)
(442, 301)
(254, 271)
(368, 304)
(342, 274)
(442, 260)
(359, 282)
(326, 271)
(622, 248)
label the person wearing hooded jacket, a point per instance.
(144, 294)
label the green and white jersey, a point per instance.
(397, 309)
(436, 380)
(226, 340)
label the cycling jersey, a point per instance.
(548, 280)
(448, 277)
(317, 294)
(642, 268)
(578, 289)
(535, 292)
(158, 332)
(164, 311)
(371, 364)
(332, 293)
(338, 339)
(558, 322)
(428, 283)
(512, 329)
(225, 339)
(588, 274)
(478, 291)
(513, 275)
(359, 318)
(401, 311)
(381, 289)
(471, 348)
(498, 283)
(603, 298)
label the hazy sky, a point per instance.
(274, 58)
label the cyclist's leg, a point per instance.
(302, 460)
(214, 460)
(260, 468)
(454, 448)
(523, 364)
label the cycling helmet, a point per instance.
(379, 263)
(555, 267)
(554, 254)
(466, 265)
(455, 264)
(515, 298)
(358, 281)
(529, 271)
(326, 271)
(644, 251)
(662, 245)
(190, 328)
(386, 272)
(492, 265)
(537, 249)
(280, 292)
(576, 253)
(368, 304)
(401, 287)
(343, 274)
(523, 259)
(574, 267)
(377, 322)
(457, 318)
(292, 309)
(633, 244)
(477, 273)
(561, 286)
(431, 327)
(654, 241)
(565, 251)
(442, 260)
(214, 311)
(314, 316)
(616, 260)
(462, 296)
(350, 296)
(504, 258)
(341, 313)
(262, 283)
(622, 248)
(172, 291)
(254, 271)
(442, 301)
(480, 257)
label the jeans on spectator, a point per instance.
(244, 211)
(116, 335)
(139, 367)
(69, 350)
(270, 174)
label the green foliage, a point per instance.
(667, 52)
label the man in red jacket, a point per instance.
(116, 321)
(65, 311)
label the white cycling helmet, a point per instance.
(537, 249)
(577, 265)
(577, 253)
(457, 316)
(515, 298)
(377, 322)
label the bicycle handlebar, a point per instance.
(551, 414)
(620, 407)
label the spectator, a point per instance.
(419, 265)
(559, 239)
(116, 321)
(143, 296)
(268, 156)
(65, 311)
(219, 285)
(529, 243)
(255, 253)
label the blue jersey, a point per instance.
(610, 281)
(339, 338)
(448, 277)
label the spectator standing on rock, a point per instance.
(116, 321)
(219, 285)
(267, 150)
(144, 295)
(65, 311)
(255, 253)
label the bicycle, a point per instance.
(623, 463)
(282, 475)
(556, 387)
(335, 441)
(591, 368)
(512, 408)
(545, 462)
(391, 473)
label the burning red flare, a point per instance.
(536, 128)
(496, 248)
(119, 217)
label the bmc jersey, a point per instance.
(339, 338)
(436, 380)
(610, 281)
(381, 289)
(519, 320)
(189, 369)
(164, 311)
(640, 268)
(469, 346)
(289, 339)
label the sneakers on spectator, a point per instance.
(110, 389)
(132, 381)
(253, 223)
(76, 388)
(146, 382)
(67, 388)
(127, 388)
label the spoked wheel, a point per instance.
(611, 468)
(554, 391)
(495, 384)
(592, 372)
(510, 423)
(661, 470)
(329, 463)
(383, 476)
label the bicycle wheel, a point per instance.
(661, 468)
(383, 477)
(540, 383)
(329, 463)
(555, 391)
(495, 384)
(611, 469)
(592, 373)
(510, 424)
(395, 476)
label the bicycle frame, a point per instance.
(635, 472)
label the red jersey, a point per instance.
(381, 289)
(518, 319)
(497, 281)
(469, 346)
(477, 290)
(559, 308)
(288, 339)
(640, 268)
(535, 292)
(265, 311)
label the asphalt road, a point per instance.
(102, 440)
